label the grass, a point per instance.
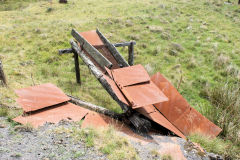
(219, 146)
(196, 40)
(106, 140)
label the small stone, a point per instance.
(177, 47)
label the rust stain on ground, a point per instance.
(172, 150)
(40, 96)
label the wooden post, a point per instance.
(2, 75)
(131, 54)
(239, 2)
(118, 57)
(77, 70)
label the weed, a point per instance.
(166, 157)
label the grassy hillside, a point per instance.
(198, 40)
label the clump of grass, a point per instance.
(226, 114)
(226, 110)
(221, 61)
(217, 145)
(166, 157)
(106, 140)
(3, 111)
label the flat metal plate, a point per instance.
(41, 96)
(157, 117)
(143, 94)
(130, 75)
(180, 113)
(54, 114)
(92, 37)
(116, 90)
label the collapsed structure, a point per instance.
(143, 99)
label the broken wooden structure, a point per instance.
(143, 99)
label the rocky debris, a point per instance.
(43, 144)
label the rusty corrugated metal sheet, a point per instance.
(40, 96)
(55, 114)
(180, 114)
(92, 37)
(143, 94)
(153, 114)
(130, 75)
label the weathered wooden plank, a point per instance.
(65, 51)
(98, 74)
(95, 108)
(118, 57)
(93, 52)
(123, 44)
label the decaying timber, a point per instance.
(141, 124)
(96, 108)
(2, 75)
(121, 61)
(93, 52)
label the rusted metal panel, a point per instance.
(92, 37)
(54, 114)
(40, 96)
(153, 114)
(116, 90)
(194, 122)
(143, 94)
(180, 113)
(130, 75)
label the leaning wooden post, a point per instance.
(77, 70)
(2, 75)
(131, 54)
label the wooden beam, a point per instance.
(118, 57)
(65, 51)
(95, 108)
(131, 53)
(98, 74)
(93, 52)
(123, 44)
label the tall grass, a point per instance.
(226, 110)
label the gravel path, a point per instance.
(42, 144)
(45, 144)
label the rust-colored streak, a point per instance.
(66, 111)
(143, 94)
(157, 117)
(92, 37)
(179, 113)
(130, 75)
(41, 96)
(116, 90)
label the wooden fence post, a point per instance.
(77, 70)
(131, 54)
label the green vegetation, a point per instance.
(106, 140)
(219, 146)
(198, 40)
